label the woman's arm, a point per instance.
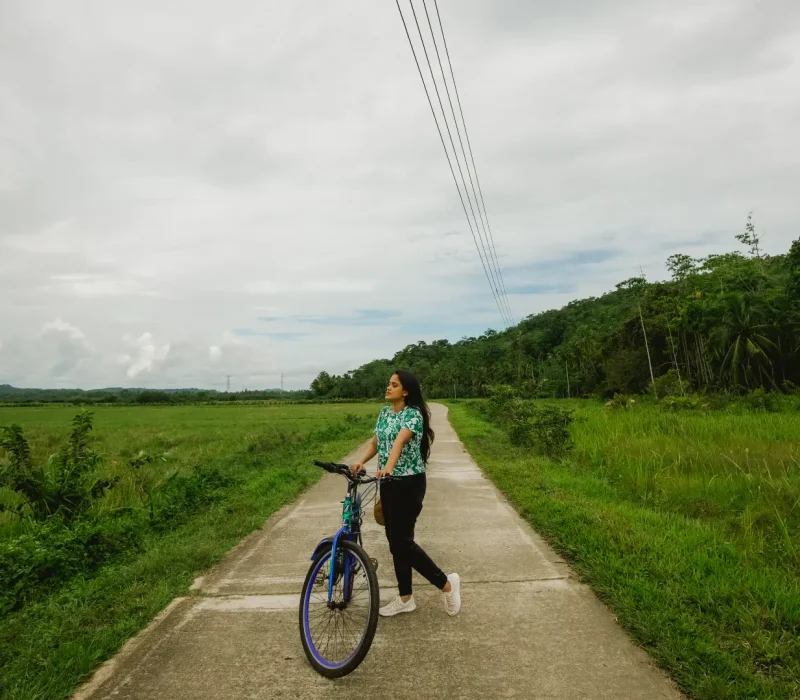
(372, 450)
(402, 438)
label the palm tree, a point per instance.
(741, 340)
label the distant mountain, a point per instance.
(14, 394)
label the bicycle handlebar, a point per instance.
(344, 470)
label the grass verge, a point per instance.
(723, 623)
(52, 644)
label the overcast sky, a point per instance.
(194, 189)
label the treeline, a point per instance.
(17, 396)
(724, 323)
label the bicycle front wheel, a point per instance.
(337, 629)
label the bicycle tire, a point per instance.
(321, 665)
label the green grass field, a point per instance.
(686, 524)
(262, 459)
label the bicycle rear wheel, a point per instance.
(338, 633)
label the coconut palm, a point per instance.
(741, 341)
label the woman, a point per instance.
(402, 441)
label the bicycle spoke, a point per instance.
(336, 625)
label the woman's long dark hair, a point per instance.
(411, 384)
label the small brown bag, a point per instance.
(378, 511)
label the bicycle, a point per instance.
(340, 598)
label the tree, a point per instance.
(750, 238)
(741, 336)
(725, 320)
(681, 266)
(322, 385)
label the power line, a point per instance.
(487, 255)
(492, 253)
(447, 155)
(469, 146)
(493, 280)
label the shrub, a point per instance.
(623, 401)
(668, 384)
(498, 407)
(692, 402)
(545, 427)
(67, 486)
(760, 401)
(51, 552)
(180, 496)
(550, 426)
(790, 387)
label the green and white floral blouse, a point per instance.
(388, 427)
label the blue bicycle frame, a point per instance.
(351, 516)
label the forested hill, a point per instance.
(724, 322)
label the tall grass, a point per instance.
(740, 471)
(685, 524)
(233, 466)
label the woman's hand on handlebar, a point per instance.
(357, 468)
(384, 472)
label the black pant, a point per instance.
(402, 499)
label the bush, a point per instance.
(551, 430)
(182, 495)
(789, 387)
(51, 552)
(499, 406)
(623, 401)
(760, 401)
(67, 486)
(692, 402)
(668, 384)
(546, 428)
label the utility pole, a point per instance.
(228, 383)
(675, 359)
(646, 345)
(566, 366)
(281, 381)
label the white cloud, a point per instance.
(147, 355)
(279, 160)
(74, 333)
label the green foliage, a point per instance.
(669, 384)
(750, 238)
(550, 426)
(760, 401)
(623, 402)
(67, 486)
(353, 419)
(153, 397)
(71, 593)
(31, 397)
(692, 402)
(793, 260)
(686, 524)
(70, 526)
(727, 322)
(544, 427)
(51, 552)
(18, 473)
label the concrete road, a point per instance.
(527, 628)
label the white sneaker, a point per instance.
(397, 606)
(452, 600)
